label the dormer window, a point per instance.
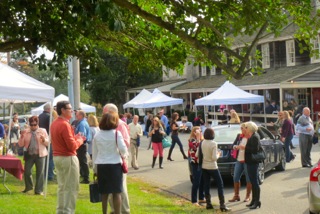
(213, 70)
(291, 55)
(203, 71)
(265, 51)
(316, 49)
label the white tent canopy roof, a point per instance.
(229, 94)
(141, 97)
(62, 97)
(158, 99)
(16, 86)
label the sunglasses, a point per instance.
(33, 124)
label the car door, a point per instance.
(276, 147)
(268, 145)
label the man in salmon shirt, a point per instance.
(65, 145)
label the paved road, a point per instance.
(281, 193)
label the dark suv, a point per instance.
(274, 148)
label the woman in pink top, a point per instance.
(34, 142)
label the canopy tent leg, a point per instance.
(48, 157)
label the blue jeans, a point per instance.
(253, 175)
(175, 139)
(239, 168)
(287, 142)
(215, 174)
(197, 183)
(51, 165)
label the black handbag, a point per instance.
(260, 156)
(95, 196)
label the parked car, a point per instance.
(274, 148)
(314, 189)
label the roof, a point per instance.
(287, 32)
(164, 86)
(271, 77)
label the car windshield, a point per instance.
(226, 134)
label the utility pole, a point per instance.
(74, 82)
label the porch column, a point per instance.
(281, 97)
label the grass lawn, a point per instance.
(144, 198)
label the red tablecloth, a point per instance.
(12, 165)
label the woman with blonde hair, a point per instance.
(239, 145)
(234, 117)
(156, 132)
(197, 182)
(287, 132)
(94, 128)
(252, 147)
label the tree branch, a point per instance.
(248, 53)
(12, 45)
(200, 19)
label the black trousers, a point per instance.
(83, 162)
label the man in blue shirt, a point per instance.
(165, 121)
(306, 130)
(83, 129)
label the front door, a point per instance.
(315, 102)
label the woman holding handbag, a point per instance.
(197, 181)
(156, 132)
(107, 151)
(252, 147)
(240, 167)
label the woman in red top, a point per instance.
(197, 181)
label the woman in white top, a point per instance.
(208, 155)
(239, 145)
(15, 134)
(108, 145)
(94, 128)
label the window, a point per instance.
(291, 56)
(317, 4)
(316, 49)
(203, 71)
(213, 70)
(265, 56)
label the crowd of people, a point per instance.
(109, 142)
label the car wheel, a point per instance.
(261, 173)
(282, 164)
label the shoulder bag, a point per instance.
(234, 152)
(166, 142)
(124, 162)
(260, 156)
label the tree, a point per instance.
(153, 32)
(109, 81)
(208, 28)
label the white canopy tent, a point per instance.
(62, 97)
(158, 99)
(17, 87)
(140, 98)
(229, 94)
